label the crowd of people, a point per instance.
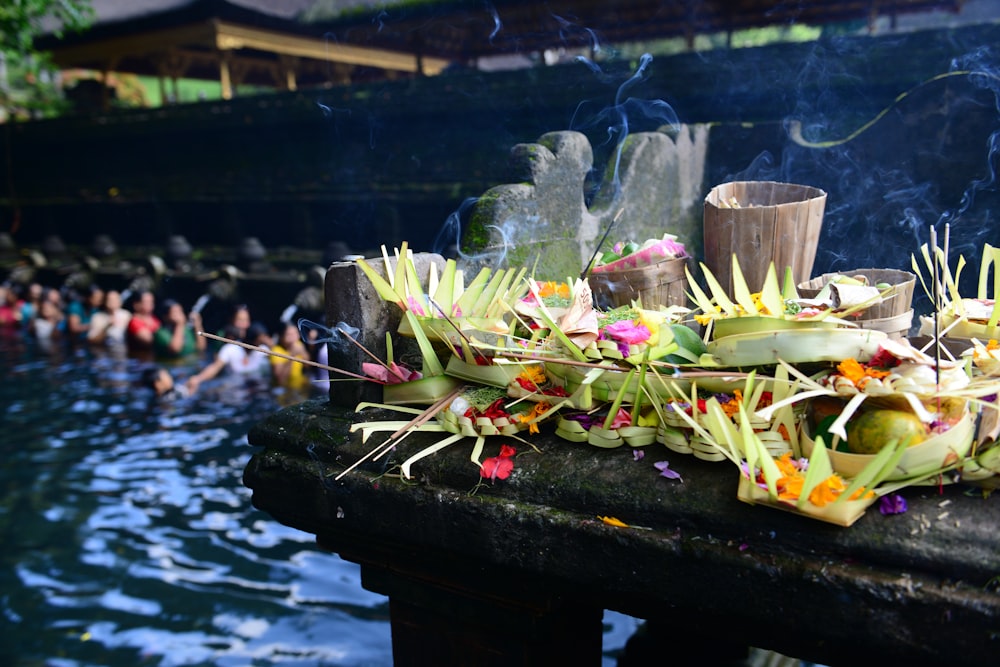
(161, 334)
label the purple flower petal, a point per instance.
(665, 471)
(638, 454)
(586, 420)
(892, 504)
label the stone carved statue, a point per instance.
(544, 222)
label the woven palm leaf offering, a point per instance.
(983, 466)
(967, 329)
(584, 346)
(454, 325)
(958, 318)
(809, 485)
(472, 411)
(900, 395)
(759, 329)
(462, 332)
(684, 416)
(627, 361)
(616, 424)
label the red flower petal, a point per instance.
(497, 467)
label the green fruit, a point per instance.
(823, 432)
(609, 257)
(876, 428)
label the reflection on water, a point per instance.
(129, 539)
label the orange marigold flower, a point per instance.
(732, 407)
(862, 493)
(553, 288)
(858, 374)
(786, 465)
(852, 370)
(790, 487)
(827, 491)
(536, 410)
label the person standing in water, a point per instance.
(237, 360)
(143, 324)
(177, 336)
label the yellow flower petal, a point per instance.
(612, 521)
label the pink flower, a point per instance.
(394, 374)
(623, 418)
(627, 331)
(414, 307)
(672, 248)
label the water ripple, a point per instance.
(130, 539)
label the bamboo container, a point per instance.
(661, 284)
(893, 315)
(762, 222)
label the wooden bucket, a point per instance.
(659, 284)
(770, 222)
(894, 315)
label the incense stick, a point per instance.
(307, 362)
(661, 364)
(419, 420)
(611, 225)
(936, 296)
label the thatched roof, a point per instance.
(463, 29)
(303, 42)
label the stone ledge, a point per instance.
(911, 587)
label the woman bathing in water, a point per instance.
(237, 360)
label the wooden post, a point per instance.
(286, 72)
(225, 79)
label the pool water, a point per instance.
(129, 539)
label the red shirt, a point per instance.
(142, 323)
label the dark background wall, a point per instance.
(387, 162)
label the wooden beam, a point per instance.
(138, 44)
(231, 36)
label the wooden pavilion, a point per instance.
(236, 42)
(303, 43)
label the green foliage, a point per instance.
(26, 83)
(748, 37)
(188, 90)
